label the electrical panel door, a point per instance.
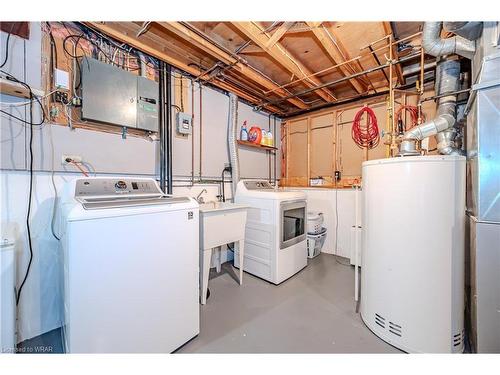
(147, 104)
(108, 93)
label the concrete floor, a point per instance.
(312, 312)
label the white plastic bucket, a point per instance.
(315, 242)
(314, 222)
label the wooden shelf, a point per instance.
(257, 146)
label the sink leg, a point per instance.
(241, 256)
(205, 257)
(219, 259)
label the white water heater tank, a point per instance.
(412, 280)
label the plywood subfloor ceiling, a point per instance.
(278, 66)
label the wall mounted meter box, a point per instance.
(184, 123)
(114, 96)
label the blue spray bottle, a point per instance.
(244, 132)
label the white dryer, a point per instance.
(130, 266)
(275, 233)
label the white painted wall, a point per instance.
(39, 310)
(325, 200)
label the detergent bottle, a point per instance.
(270, 140)
(244, 132)
(263, 141)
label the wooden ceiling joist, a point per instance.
(334, 53)
(189, 36)
(219, 54)
(279, 33)
(112, 30)
(282, 56)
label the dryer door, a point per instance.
(293, 220)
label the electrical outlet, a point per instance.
(337, 175)
(66, 159)
(61, 97)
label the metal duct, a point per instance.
(447, 81)
(435, 46)
(468, 30)
(231, 140)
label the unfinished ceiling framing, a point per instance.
(283, 67)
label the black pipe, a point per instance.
(161, 121)
(379, 63)
(168, 114)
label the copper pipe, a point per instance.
(391, 98)
(422, 68)
(376, 41)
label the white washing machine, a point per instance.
(131, 266)
(275, 233)
(7, 291)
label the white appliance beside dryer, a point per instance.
(275, 233)
(131, 264)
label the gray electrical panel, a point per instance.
(184, 123)
(147, 104)
(114, 96)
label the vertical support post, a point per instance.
(334, 142)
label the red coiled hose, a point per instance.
(365, 135)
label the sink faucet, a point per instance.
(199, 198)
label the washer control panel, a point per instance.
(258, 185)
(116, 186)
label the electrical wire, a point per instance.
(30, 195)
(54, 206)
(365, 136)
(7, 47)
(32, 97)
